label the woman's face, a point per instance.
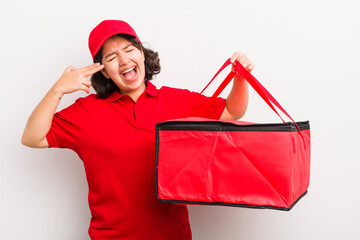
(124, 64)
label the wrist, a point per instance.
(56, 92)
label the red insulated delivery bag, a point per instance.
(233, 163)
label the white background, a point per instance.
(305, 52)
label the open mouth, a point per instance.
(130, 74)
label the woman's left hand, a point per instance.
(243, 59)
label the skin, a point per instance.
(118, 57)
(40, 120)
(237, 100)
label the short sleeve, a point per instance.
(66, 127)
(192, 104)
(198, 103)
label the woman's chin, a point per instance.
(129, 87)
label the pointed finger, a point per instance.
(93, 70)
(89, 67)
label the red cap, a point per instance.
(105, 30)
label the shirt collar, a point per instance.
(150, 90)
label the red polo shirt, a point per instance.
(115, 138)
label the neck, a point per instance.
(136, 94)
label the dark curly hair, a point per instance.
(104, 87)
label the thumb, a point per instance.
(233, 69)
(69, 69)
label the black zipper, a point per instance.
(227, 126)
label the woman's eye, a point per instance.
(129, 50)
(111, 59)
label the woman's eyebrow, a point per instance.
(108, 55)
(129, 45)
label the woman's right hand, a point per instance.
(76, 79)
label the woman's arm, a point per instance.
(40, 120)
(237, 100)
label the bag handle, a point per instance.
(256, 85)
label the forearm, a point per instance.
(237, 100)
(40, 120)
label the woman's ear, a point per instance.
(103, 71)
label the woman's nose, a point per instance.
(123, 59)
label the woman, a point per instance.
(113, 132)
